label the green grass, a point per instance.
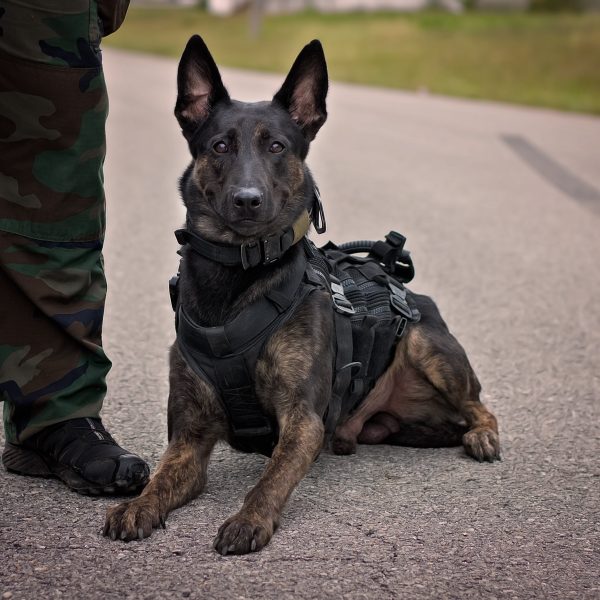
(550, 60)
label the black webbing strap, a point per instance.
(252, 430)
(343, 366)
(227, 255)
(389, 253)
(362, 355)
(250, 254)
(343, 370)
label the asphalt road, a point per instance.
(501, 207)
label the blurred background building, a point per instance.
(229, 7)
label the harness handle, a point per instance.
(390, 253)
(356, 247)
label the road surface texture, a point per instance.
(501, 207)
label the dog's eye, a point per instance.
(276, 147)
(221, 147)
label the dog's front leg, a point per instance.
(194, 428)
(180, 476)
(300, 442)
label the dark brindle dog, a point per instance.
(247, 182)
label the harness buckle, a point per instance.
(341, 303)
(245, 250)
(264, 251)
(391, 255)
(271, 249)
(402, 323)
(398, 301)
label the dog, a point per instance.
(248, 181)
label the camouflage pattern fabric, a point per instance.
(52, 365)
(53, 108)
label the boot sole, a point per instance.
(26, 461)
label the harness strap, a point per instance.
(247, 419)
(249, 324)
(226, 356)
(343, 370)
(344, 367)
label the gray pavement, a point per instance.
(502, 212)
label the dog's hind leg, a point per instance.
(346, 435)
(481, 441)
(435, 354)
(407, 433)
(427, 398)
(402, 409)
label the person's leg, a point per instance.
(53, 108)
(52, 366)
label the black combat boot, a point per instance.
(81, 453)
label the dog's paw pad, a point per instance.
(482, 444)
(241, 536)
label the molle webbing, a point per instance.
(371, 311)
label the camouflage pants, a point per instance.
(53, 108)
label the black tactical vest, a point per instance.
(371, 309)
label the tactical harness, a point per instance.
(370, 305)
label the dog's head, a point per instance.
(248, 178)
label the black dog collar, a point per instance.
(263, 251)
(249, 254)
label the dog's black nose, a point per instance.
(247, 199)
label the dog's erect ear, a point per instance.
(304, 91)
(199, 85)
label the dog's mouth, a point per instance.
(251, 227)
(215, 223)
(268, 224)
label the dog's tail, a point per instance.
(426, 435)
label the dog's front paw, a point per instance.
(240, 535)
(482, 444)
(133, 520)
